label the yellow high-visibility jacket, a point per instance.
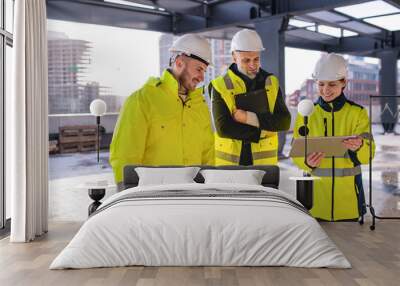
(339, 195)
(228, 150)
(156, 128)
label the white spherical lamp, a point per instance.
(305, 107)
(98, 107)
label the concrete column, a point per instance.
(388, 87)
(272, 33)
(273, 58)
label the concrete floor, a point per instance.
(68, 199)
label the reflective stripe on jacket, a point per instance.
(227, 150)
(339, 194)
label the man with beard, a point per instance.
(167, 121)
(247, 137)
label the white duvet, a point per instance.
(200, 231)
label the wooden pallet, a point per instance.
(87, 146)
(78, 138)
(69, 147)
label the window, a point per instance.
(91, 61)
(6, 29)
(9, 19)
(357, 86)
(86, 62)
(358, 75)
(2, 174)
(81, 60)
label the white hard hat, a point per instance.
(246, 40)
(193, 46)
(330, 67)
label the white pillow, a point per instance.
(248, 177)
(164, 176)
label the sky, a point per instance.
(123, 59)
(299, 65)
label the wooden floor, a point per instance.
(374, 255)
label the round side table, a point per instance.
(96, 194)
(96, 191)
(304, 190)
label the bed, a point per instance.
(201, 224)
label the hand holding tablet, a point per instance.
(331, 146)
(314, 159)
(353, 143)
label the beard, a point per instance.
(248, 74)
(187, 81)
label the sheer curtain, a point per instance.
(27, 123)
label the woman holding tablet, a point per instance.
(339, 195)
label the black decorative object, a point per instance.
(305, 108)
(98, 108)
(304, 193)
(96, 195)
(98, 138)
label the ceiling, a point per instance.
(326, 25)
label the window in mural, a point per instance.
(6, 40)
